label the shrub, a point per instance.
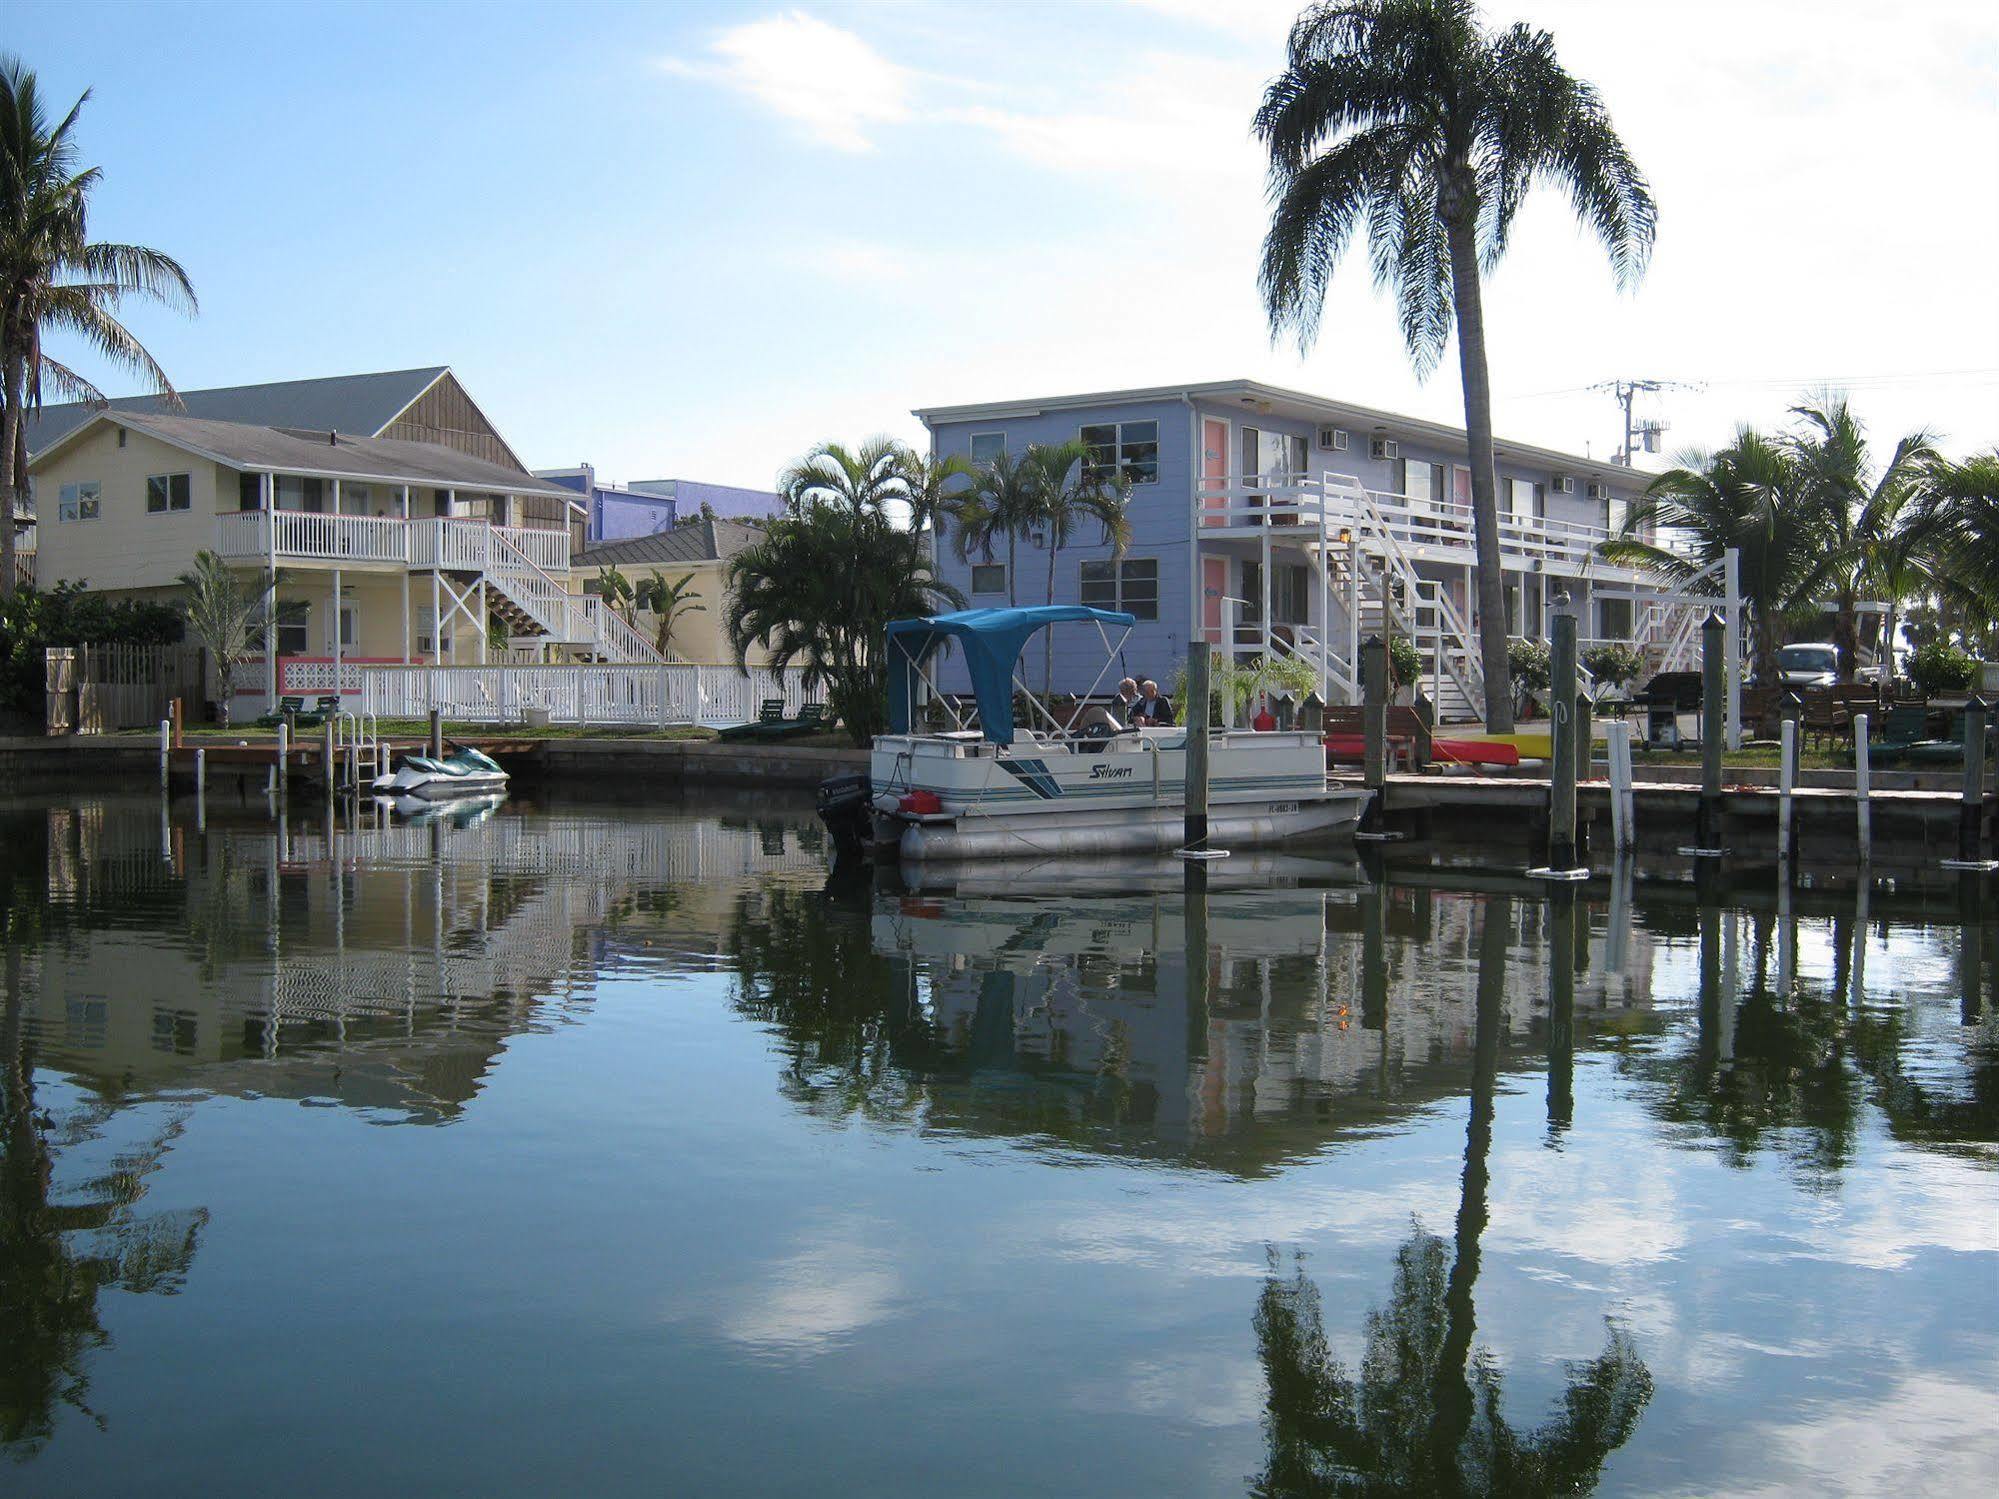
(1942, 667)
(1614, 665)
(68, 614)
(1405, 662)
(1529, 661)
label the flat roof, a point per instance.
(1276, 399)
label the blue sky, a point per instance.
(692, 241)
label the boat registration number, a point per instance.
(1283, 806)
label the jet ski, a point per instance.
(463, 772)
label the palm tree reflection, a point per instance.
(1424, 1414)
(57, 1255)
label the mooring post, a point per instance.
(1791, 708)
(1562, 739)
(437, 734)
(1787, 776)
(1714, 727)
(1426, 730)
(1585, 754)
(166, 749)
(1862, 788)
(328, 754)
(1197, 709)
(1617, 761)
(1971, 810)
(1374, 713)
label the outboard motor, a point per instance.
(846, 806)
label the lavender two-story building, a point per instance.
(1274, 521)
(622, 512)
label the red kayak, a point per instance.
(1350, 749)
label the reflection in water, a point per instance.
(620, 1031)
(1425, 1414)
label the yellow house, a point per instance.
(388, 550)
(700, 550)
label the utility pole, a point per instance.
(1624, 392)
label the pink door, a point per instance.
(1214, 587)
(1214, 470)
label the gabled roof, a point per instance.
(362, 404)
(327, 455)
(698, 541)
(1254, 395)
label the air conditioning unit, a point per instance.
(1564, 483)
(1333, 439)
(1384, 447)
(1598, 491)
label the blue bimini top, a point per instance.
(992, 640)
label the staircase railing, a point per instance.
(565, 617)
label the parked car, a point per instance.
(1808, 664)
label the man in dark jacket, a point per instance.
(1151, 709)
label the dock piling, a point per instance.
(437, 727)
(201, 790)
(1562, 739)
(1623, 835)
(1971, 850)
(1714, 725)
(166, 749)
(1195, 834)
(1862, 788)
(1374, 713)
(1787, 775)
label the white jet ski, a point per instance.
(463, 772)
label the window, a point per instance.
(1290, 594)
(249, 491)
(166, 492)
(78, 502)
(989, 577)
(426, 633)
(1274, 454)
(174, 1031)
(1127, 448)
(1523, 499)
(294, 628)
(1131, 585)
(1613, 619)
(986, 446)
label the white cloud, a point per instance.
(858, 260)
(813, 1301)
(829, 82)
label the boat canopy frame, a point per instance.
(992, 640)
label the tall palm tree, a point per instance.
(1066, 492)
(1000, 505)
(55, 279)
(933, 488)
(668, 602)
(220, 612)
(1409, 119)
(1865, 514)
(1749, 496)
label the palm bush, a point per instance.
(220, 609)
(667, 602)
(819, 590)
(1065, 493)
(1409, 120)
(55, 279)
(1941, 667)
(999, 507)
(1957, 519)
(1614, 664)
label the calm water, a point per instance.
(605, 1150)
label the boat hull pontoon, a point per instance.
(464, 772)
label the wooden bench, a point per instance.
(1408, 735)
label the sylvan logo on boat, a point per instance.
(1110, 772)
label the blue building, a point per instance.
(621, 512)
(1272, 521)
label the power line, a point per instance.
(1797, 382)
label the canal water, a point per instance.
(613, 1149)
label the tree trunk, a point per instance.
(1470, 309)
(1846, 634)
(16, 379)
(1048, 636)
(1012, 589)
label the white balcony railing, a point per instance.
(1422, 527)
(450, 543)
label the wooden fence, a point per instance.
(99, 689)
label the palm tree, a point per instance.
(1957, 517)
(820, 588)
(862, 479)
(1865, 514)
(1065, 491)
(1411, 120)
(1750, 496)
(1000, 504)
(220, 612)
(667, 601)
(933, 488)
(54, 279)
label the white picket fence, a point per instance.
(654, 696)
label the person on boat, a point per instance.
(1151, 709)
(1126, 702)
